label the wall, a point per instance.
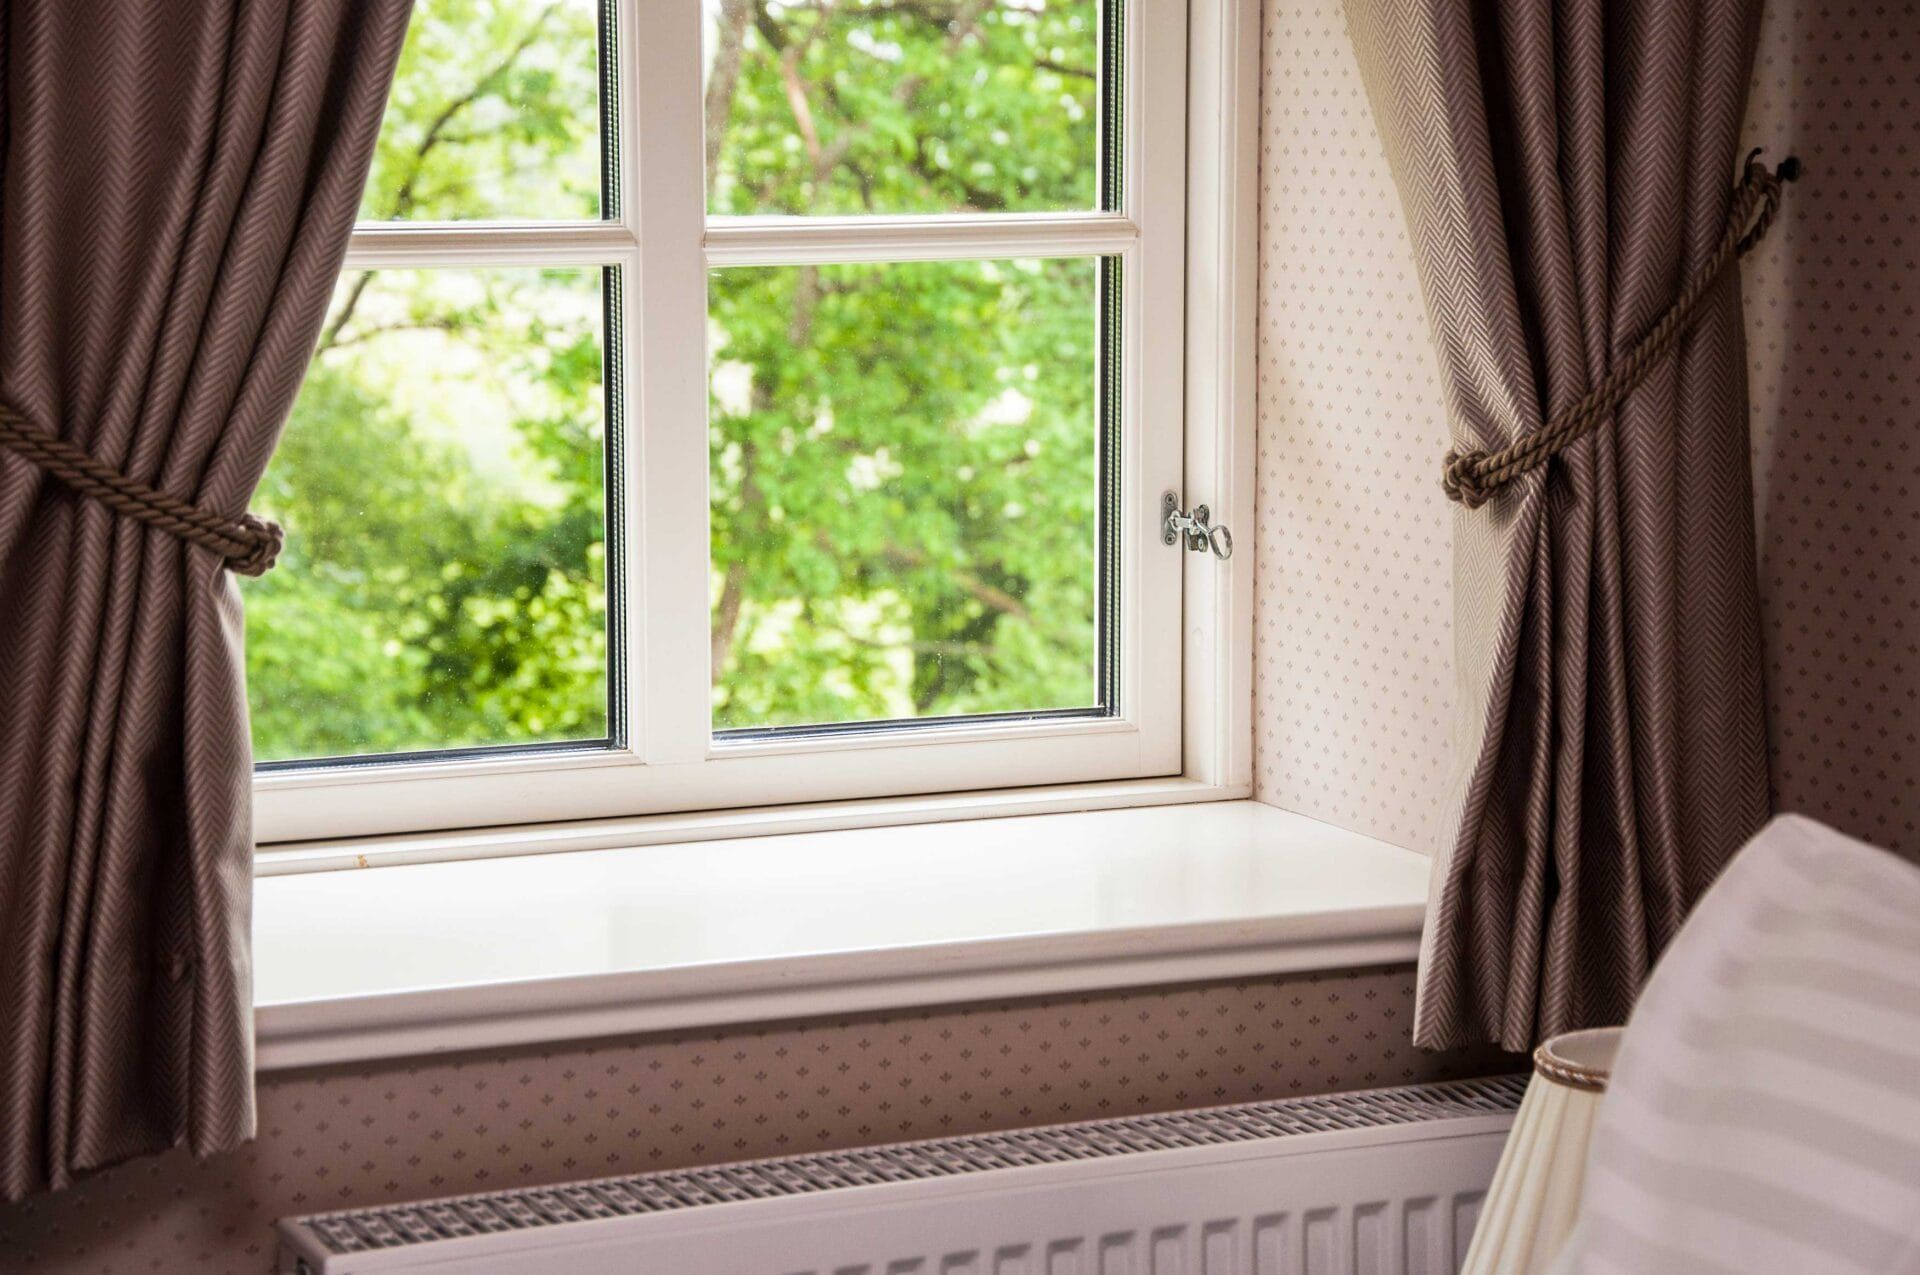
(1346, 378)
(1353, 654)
(1833, 323)
(363, 1135)
(1353, 685)
(348, 1136)
(1352, 707)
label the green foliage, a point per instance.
(906, 494)
(903, 456)
(444, 579)
(902, 106)
(494, 113)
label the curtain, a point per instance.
(1564, 166)
(176, 191)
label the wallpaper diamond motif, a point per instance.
(1353, 656)
(1353, 615)
(1353, 697)
(1833, 329)
(362, 1135)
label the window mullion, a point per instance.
(1153, 338)
(668, 429)
(405, 245)
(744, 241)
(667, 254)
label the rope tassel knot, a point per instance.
(247, 544)
(1474, 477)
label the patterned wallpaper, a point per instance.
(1833, 324)
(1353, 684)
(1353, 654)
(347, 1136)
(1353, 697)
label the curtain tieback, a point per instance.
(248, 544)
(1472, 477)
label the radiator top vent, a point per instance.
(397, 1226)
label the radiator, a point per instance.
(1376, 1182)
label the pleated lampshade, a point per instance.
(1536, 1190)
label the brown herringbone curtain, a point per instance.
(176, 191)
(1564, 166)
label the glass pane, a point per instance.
(905, 465)
(495, 113)
(441, 483)
(884, 106)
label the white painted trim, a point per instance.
(668, 544)
(1184, 710)
(1223, 121)
(1154, 338)
(639, 939)
(334, 854)
(403, 245)
(764, 241)
(504, 1015)
(521, 790)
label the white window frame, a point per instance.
(1186, 240)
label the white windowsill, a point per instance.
(432, 957)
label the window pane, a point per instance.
(905, 478)
(901, 106)
(441, 483)
(495, 113)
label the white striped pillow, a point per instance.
(1764, 1111)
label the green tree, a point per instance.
(903, 455)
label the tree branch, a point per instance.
(1061, 68)
(802, 109)
(938, 15)
(331, 337)
(978, 198)
(339, 342)
(403, 197)
(733, 591)
(965, 20)
(727, 616)
(996, 598)
(729, 49)
(436, 135)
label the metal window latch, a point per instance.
(1201, 535)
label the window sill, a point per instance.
(483, 954)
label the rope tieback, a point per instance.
(1472, 477)
(247, 543)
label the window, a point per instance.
(773, 408)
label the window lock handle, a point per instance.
(1196, 528)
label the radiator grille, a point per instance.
(397, 1226)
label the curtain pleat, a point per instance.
(176, 192)
(1563, 167)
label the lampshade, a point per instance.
(1536, 1190)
